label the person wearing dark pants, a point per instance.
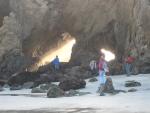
(128, 65)
(56, 63)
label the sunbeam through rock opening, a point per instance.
(64, 53)
(109, 56)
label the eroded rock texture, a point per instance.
(30, 28)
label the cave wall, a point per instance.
(30, 28)
(116, 25)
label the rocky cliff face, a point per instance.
(30, 28)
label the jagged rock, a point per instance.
(93, 80)
(38, 90)
(132, 83)
(28, 85)
(72, 83)
(55, 92)
(132, 90)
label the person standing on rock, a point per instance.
(93, 66)
(103, 69)
(56, 63)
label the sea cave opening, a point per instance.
(63, 50)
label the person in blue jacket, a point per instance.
(56, 63)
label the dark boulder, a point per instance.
(109, 88)
(44, 78)
(72, 83)
(132, 90)
(54, 92)
(132, 83)
(93, 80)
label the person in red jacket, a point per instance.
(128, 63)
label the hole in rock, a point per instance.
(109, 56)
(63, 51)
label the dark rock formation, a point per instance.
(93, 80)
(79, 72)
(48, 78)
(132, 83)
(72, 83)
(132, 90)
(55, 91)
(109, 88)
